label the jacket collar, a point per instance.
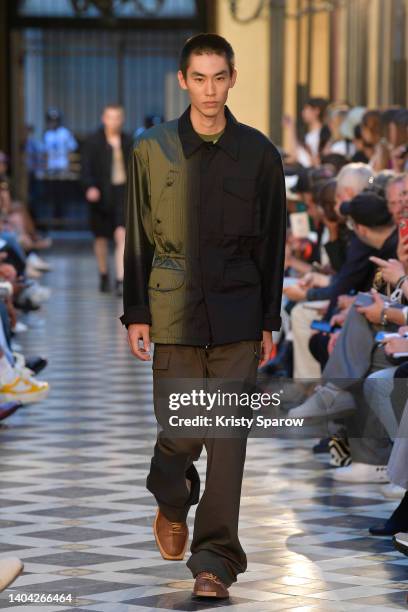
(191, 141)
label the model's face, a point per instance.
(113, 119)
(208, 82)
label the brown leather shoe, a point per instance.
(171, 537)
(209, 585)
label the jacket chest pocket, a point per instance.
(241, 215)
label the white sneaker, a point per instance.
(20, 367)
(32, 272)
(24, 388)
(39, 264)
(36, 293)
(10, 569)
(20, 327)
(40, 293)
(393, 491)
(361, 473)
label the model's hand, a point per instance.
(266, 348)
(93, 194)
(139, 333)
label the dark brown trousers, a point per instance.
(215, 545)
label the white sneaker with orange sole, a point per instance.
(24, 388)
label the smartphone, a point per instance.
(363, 299)
(382, 336)
(321, 326)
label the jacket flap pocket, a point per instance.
(240, 187)
(166, 279)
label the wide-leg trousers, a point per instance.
(215, 544)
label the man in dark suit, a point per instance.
(104, 161)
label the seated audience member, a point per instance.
(392, 187)
(356, 354)
(354, 274)
(17, 220)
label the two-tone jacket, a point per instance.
(205, 234)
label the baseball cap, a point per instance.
(367, 208)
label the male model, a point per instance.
(104, 159)
(204, 256)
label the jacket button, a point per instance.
(169, 182)
(158, 220)
(158, 285)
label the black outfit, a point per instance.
(107, 214)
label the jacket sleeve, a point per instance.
(139, 243)
(269, 254)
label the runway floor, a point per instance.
(73, 503)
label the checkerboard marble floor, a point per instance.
(73, 503)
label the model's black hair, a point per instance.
(206, 43)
